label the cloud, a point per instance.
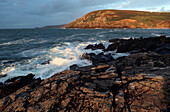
(55, 6)
(145, 3)
(32, 13)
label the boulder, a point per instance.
(90, 46)
(112, 47)
(99, 46)
(74, 67)
(95, 47)
(96, 59)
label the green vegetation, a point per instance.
(143, 19)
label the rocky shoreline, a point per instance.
(138, 82)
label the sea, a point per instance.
(44, 52)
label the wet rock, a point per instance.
(88, 56)
(138, 82)
(12, 85)
(146, 44)
(74, 67)
(46, 62)
(165, 49)
(99, 46)
(90, 46)
(112, 47)
(95, 47)
(29, 77)
(101, 68)
(96, 59)
(114, 40)
(92, 91)
(1, 76)
(1, 84)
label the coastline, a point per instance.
(107, 84)
(116, 28)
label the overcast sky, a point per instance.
(38, 13)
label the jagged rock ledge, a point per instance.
(138, 82)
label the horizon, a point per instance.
(74, 20)
(31, 14)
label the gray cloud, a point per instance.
(145, 3)
(32, 13)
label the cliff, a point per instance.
(122, 19)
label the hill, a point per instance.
(55, 26)
(122, 19)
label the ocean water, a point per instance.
(22, 51)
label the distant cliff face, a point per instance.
(122, 19)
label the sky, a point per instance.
(38, 13)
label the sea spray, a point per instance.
(24, 51)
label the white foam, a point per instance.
(126, 38)
(117, 55)
(61, 56)
(20, 41)
(7, 70)
(60, 61)
(155, 34)
(101, 35)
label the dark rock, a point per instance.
(159, 64)
(74, 67)
(163, 36)
(28, 77)
(101, 68)
(112, 47)
(46, 62)
(96, 59)
(99, 46)
(1, 76)
(89, 47)
(146, 44)
(1, 84)
(88, 56)
(114, 40)
(92, 91)
(11, 85)
(164, 49)
(101, 53)
(95, 47)
(138, 82)
(139, 50)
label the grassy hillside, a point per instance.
(122, 19)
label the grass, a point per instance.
(148, 18)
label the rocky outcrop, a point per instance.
(96, 46)
(138, 82)
(159, 45)
(101, 88)
(12, 85)
(122, 19)
(97, 59)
